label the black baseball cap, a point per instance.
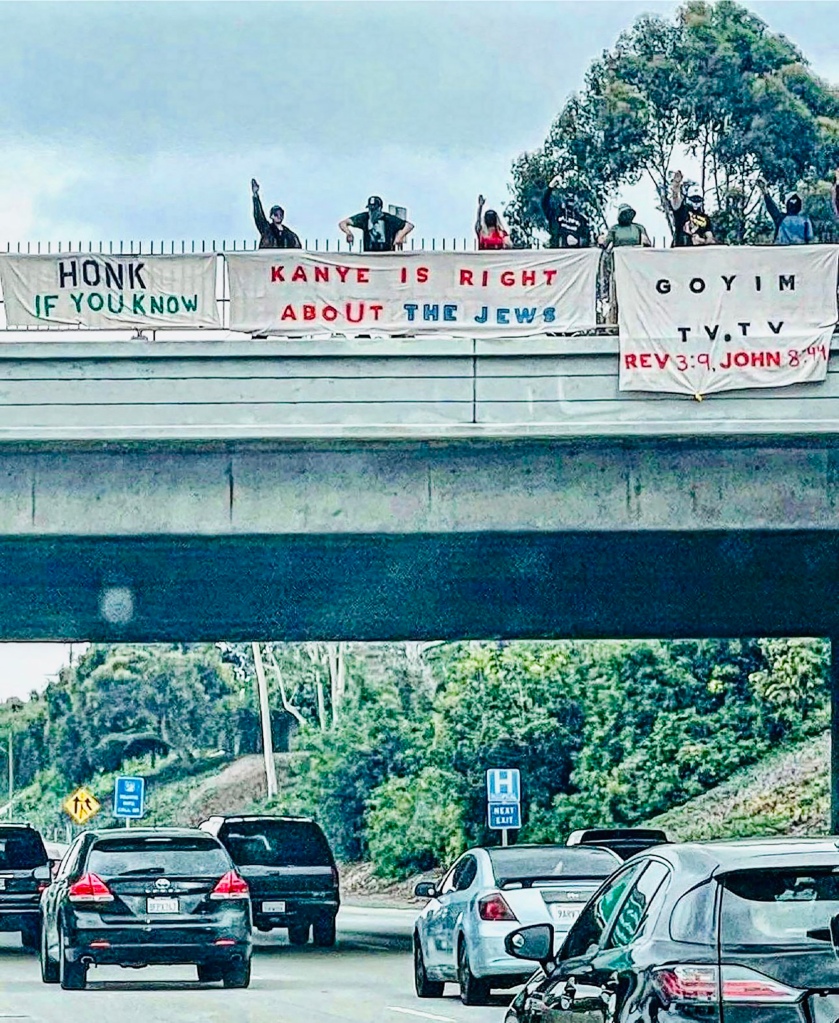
(373, 201)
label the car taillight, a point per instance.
(687, 983)
(90, 888)
(494, 907)
(231, 886)
(696, 984)
(740, 984)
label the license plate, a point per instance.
(273, 907)
(565, 914)
(163, 906)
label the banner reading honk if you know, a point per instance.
(480, 294)
(95, 290)
(695, 321)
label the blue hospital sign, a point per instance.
(503, 798)
(503, 785)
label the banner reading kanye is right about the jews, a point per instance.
(477, 294)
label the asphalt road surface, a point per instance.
(366, 978)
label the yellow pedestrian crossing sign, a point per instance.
(82, 805)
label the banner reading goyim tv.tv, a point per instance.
(696, 321)
(96, 290)
(480, 294)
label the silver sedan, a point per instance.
(489, 892)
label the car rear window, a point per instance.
(786, 908)
(21, 850)
(158, 856)
(555, 861)
(276, 844)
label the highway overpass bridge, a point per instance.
(382, 489)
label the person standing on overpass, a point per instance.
(567, 227)
(273, 234)
(791, 227)
(380, 231)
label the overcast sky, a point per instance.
(126, 120)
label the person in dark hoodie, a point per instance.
(791, 227)
(567, 227)
(273, 234)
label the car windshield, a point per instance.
(21, 850)
(277, 844)
(790, 907)
(551, 861)
(158, 856)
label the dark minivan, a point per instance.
(741, 932)
(24, 874)
(290, 871)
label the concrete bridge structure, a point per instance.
(382, 489)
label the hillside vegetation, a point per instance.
(390, 743)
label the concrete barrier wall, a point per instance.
(548, 387)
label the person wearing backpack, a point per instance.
(791, 227)
(625, 233)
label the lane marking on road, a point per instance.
(423, 1015)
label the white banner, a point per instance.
(94, 290)
(485, 294)
(695, 321)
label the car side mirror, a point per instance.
(42, 873)
(535, 942)
(426, 890)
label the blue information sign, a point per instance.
(504, 815)
(503, 798)
(129, 798)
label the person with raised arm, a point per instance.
(791, 226)
(273, 234)
(691, 224)
(489, 230)
(567, 227)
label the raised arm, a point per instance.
(259, 217)
(676, 197)
(834, 193)
(771, 205)
(546, 197)
(479, 216)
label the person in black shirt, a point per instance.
(567, 227)
(691, 224)
(381, 232)
(273, 234)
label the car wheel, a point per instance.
(49, 967)
(323, 932)
(30, 935)
(473, 991)
(209, 974)
(299, 934)
(424, 987)
(72, 976)
(237, 974)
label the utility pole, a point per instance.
(265, 717)
(11, 772)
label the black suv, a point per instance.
(142, 897)
(24, 874)
(290, 871)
